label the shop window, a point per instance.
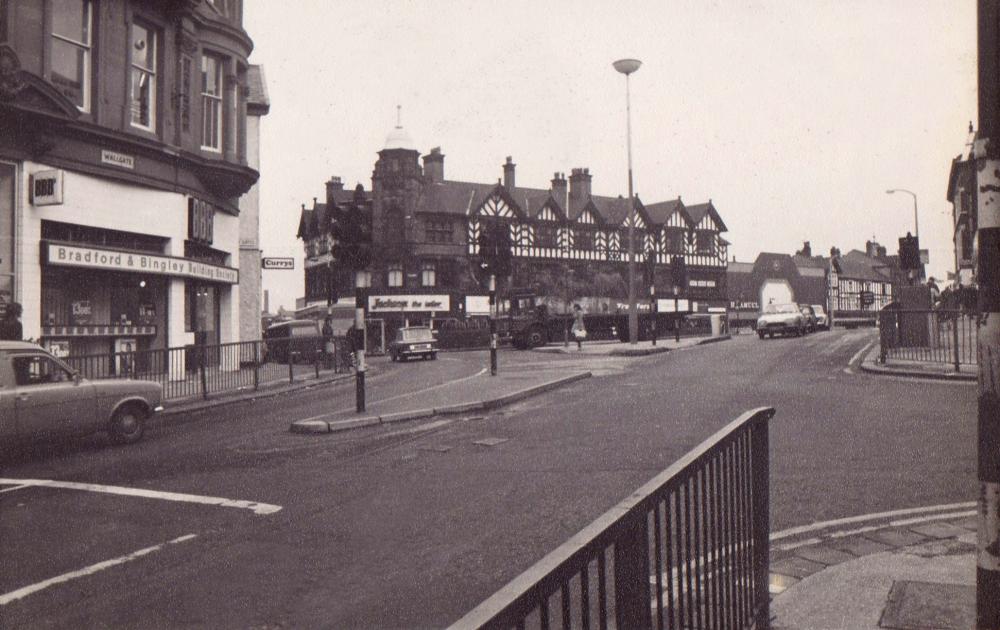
(395, 278)
(71, 47)
(115, 239)
(211, 103)
(427, 275)
(143, 77)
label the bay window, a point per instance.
(211, 103)
(143, 77)
(71, 46)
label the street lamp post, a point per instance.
(916, 224)
(627, 67)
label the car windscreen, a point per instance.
(417, 334)
(780, 308)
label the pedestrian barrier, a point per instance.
(203, 370)
(935, 336)
(689, 549)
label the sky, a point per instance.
(793, 117)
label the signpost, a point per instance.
(277, 263)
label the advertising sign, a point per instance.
(477, 305)
(201, 221)
(140, 262)
(277, 263)
(81, 312)
(408, 303)
(46, 188)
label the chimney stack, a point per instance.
(559, 189)
(807, 249)
(333, 186)
(434, 166)
(508, 175)
(579, 185)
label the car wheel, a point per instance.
(760, 333)
(128, 424)
(434, 356)
(536, 337)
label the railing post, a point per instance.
(881, 336)
(760, 445)
(632, 595)
(317, 354)
(954, 338)
(201, 371)
(291, 376)
(256, 365)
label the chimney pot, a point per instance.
(434, 166)
(508, 174)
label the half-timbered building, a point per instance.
(568, 244)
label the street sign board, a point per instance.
(867, 298)
(277, 263)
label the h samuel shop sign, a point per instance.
(116, 260)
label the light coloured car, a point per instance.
(781, 319)
(414, 341)
(42, 397)
(822, 321)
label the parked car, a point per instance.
(42, 397)
(413, 341)
(297, 339)
(822, 321)
(810, 316)
(781, 319)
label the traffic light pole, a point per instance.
(359, 350)
(652, 308)
(986, 152)
(677, 315)
(493, 325)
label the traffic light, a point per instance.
(495, 248)
(909, 252)
(678, 272)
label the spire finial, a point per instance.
(399, 116)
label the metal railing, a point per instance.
(689, 549)
(203, 370)
(935, 336)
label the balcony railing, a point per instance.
(689, 549)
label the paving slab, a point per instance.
(938, 530)
(858, 545)
(916, 605)
(823, 554)
(796, 567)
(895, 537)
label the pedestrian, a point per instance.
(10, 325)
(579, 330)
(328, 345)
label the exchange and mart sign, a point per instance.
(137, 262)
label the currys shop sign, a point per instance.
(138, 262)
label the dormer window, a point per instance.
(71, 44)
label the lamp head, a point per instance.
(891, 191)
(627, 66)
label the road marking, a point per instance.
(254, 506)
(785, 533)
(7, 598)
(13, 489)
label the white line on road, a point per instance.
(13, 489)
(254, 506)
(785, 533)
(7, 598)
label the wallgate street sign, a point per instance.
(277, 263)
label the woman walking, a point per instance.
(579, 330)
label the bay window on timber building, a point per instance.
(72, 33)
(143, 77)
(705, 242)
(674, 241)
(211, 103)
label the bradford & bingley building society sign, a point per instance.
(127, 261)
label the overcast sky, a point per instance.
(792, 117)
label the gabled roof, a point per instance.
(817, 262)
(856, 264)
(698, 211)
(258, 102)
(660, 212)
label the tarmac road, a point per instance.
(412, 525)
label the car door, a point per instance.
(48, 401)
(8, 423)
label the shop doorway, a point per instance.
(203, 312)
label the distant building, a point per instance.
(854, 286)
(127, 145)
(426, 227)
(962, 195)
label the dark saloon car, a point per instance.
(414, 341)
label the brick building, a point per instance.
(567, 242)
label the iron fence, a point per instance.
(203, 370)
(936, 336)
(689, 549)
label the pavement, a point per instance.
(905, 569)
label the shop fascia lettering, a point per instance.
(389, 303)
(72, 256)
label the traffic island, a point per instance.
(314, 426)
